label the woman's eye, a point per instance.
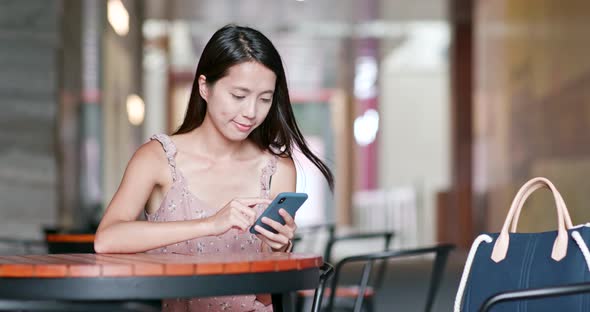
(238, 97)
(266, 100)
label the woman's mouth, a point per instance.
(242, 127)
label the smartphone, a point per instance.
(289, 201)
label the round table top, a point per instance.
(142, 264)
(153, 276)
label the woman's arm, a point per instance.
(119, 232)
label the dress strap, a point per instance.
(266, 177)
(169, 149)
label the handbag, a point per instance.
(505, 261)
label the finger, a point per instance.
(240, 225)
(289, 221)
(242, 222)
(272, 244)
(246, 211)
(287, 230)
(274, 224)
(253, 201)
(290, 226)
(249, 213)
(277, 238)
(243, 226)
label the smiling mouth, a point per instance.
(243, 127)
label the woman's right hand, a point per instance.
(239, 213)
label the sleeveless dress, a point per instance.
(180, 204)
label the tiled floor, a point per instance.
(405, 288)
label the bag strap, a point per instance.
(536, 186)
(559, 246)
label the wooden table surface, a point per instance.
(128, 265)
(30, 281)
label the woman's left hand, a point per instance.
(282, 240)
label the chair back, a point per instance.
(441, 253)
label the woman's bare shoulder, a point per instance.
(151, 158)
(286, 163)
(151, 151)
(285, 177)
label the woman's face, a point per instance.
(240, 101)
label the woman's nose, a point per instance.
(249, 110)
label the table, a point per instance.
(112, 277)
(69, 242)
(69, 238)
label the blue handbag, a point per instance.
(507, 261)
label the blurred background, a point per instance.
(431, 113)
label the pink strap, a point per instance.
(266, 176)
(169, 149)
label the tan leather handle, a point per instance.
(560, 244)
(561, 203)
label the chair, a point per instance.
(387, 236)
(313, 233)
(441, 254)
(535, 293)
(69, 241)
(334, 239)
(327, 272)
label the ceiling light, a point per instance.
(135, 109)
(118, 17)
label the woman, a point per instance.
(214, 174)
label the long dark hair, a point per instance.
(233, 45)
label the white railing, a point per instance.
(388, 210)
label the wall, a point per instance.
(532, 107)
(414, 146)
(123, 58)
(29, 33)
